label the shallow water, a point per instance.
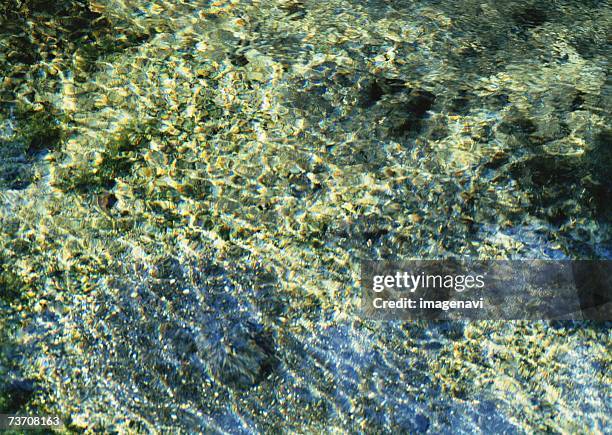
(187, 188)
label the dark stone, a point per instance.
(17, 394)
(460, 105)
(413, 112)
(578, 101)
(248, 361)
(106, 201)
(343, 80)
(79, 25)
(553, 180)
(375, 234)
(421, 423)
(186, 324)
(531, 16)
(46, 134)
(393, 86)
(370, 95)
(498, 101)
(238, 60)
(420, 102)
(600, 159)
(27, 57)
(517, 126)
(47, 7)
(373, 91)
(438, 132)
(297, 10)
(15, 177)
(544, 171)
(366, 228)
(407, 422)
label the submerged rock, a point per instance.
(197, 326)
(15, 394)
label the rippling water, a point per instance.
(187, 188)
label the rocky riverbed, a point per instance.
(187, 188)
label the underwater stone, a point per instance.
(413, 112)
(373, 91)
(530, 16)
(295, 9)
(420, 102)
(192, 326)
(239, 356)
(16, 394)
(600, 161)
(422, 423)
(370, 95)
(460, 105)
(518, 126)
